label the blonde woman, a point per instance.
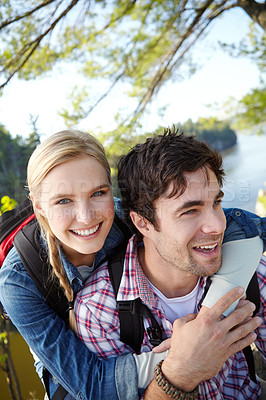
(70, 188)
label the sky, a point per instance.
(202, 95)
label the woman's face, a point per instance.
(77, 201)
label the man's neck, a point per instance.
(170, 281)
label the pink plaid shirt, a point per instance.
(98, 325)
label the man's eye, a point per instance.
(217, 202)
(189, 212)
(63, 201)
(98, 193)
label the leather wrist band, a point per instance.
(169, 389)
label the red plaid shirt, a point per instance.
(98, 325)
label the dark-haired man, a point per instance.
(171, 193)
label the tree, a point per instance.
(6, 359)
(215, 133)
(250, 111)
(141, 42)
(14, 156)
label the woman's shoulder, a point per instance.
(12, 260)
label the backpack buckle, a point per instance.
(155, 336)
(125, 306)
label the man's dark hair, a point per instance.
(146, 172)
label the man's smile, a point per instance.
(206, 248)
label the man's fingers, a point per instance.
(238, 316)
(184, 320)
(245, 329)
(225, 302)
(242, 343)
(243, 335)
(165, 345)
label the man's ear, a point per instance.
(142, 225)
(37, 205)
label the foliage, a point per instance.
(250, 111)
(7, 204)
(14, 155)
(6, 360)
(253, 46)
(142, 43)
(215, 133)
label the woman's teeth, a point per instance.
(86, 232)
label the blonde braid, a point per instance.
(59, 271)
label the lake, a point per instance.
(245, 167)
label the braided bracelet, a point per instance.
(169, 389)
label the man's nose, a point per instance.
(214, 222)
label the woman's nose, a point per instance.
(84, 213)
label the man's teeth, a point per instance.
(86, 232)
(208, 247)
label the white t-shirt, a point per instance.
(177, 307)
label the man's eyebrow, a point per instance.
(94, 189)
(193, 203)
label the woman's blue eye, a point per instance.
(63, 201)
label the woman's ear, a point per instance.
(142, 225)
(37, 205)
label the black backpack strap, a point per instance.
(253, 295)
(35, 261)
(131, 313)
(131, 326)
(253, 292)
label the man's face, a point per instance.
(191, 226)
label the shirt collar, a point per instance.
(134, 283)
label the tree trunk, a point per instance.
(11, 363)
(256, 11)
(9, 368)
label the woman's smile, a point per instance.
(86, 232)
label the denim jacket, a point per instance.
(242, 224)
(68, 360)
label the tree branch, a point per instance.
(34, 44)
(27, 14)
(256, 11)
(159, 76)
(106, 93)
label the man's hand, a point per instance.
(201, 343)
